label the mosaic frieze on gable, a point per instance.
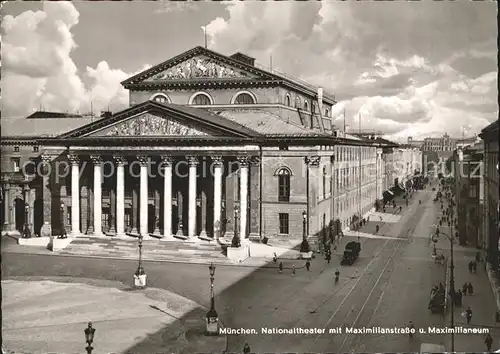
(152, 125)
(200, 67)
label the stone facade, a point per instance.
(174, 165)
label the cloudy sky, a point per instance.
(406, 68)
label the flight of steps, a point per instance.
(201, 252)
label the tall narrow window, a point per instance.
(288, 100)
(283, 218)
(16, 164)
(284, 185)
(324, 182)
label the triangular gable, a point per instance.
(152, 118)
(199, 67)
(200, 63)
(148, 124)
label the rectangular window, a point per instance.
(68, 215)
(16, 164)
(283, 223)
(35, 148)
(16, 148)
(284, 188)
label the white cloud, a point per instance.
(38, 70)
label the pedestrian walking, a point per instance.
(337, 275)
(275, 258)
(470, 267)
(281, 267)
(411, 329)
(293, 269)
(465, 288)
(470, 289)
(488, 341)
(246, 349)
(308, 265)
(328, 257)
(468, 314)
(459, 298)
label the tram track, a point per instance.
(356, 296)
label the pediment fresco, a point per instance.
(148, 124)
(200, 67)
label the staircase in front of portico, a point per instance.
(200, 252)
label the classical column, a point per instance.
(193, 163)
(254, 217)
(6, 207)
(97, 161)
(217, 163)
(156, 230)
(143, 197)
(135, 205)
(167, 196)
(75, 195)
(112, 210)
(204, 211)
(46, 229)
(180, 206)
(120, 195)
(90, 208)
(243, 220)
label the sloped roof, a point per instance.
(41, 127)
(44, 114)
(199, 115)
(263, 73)
(267, 123)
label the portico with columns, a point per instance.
(179, 195)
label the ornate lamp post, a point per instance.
(26, 231)
(89, 338)
(63, 228)
(212, 317)
(304, 225)
(452, 286)
(140, 274)
(236, 238)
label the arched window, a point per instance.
(161, 98)
(201, 99)
(288, 101)
(284, 184)
(244, 98)
(324, 182)
(306, 106)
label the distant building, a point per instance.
(444, 143)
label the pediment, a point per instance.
(200, 67)
(148, 124)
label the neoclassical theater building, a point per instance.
(209, 144)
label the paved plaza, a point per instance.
(388, 286)
(41, 316)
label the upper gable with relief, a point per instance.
(199, 67)
(148, 124)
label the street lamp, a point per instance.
(89, 337)
(452, 286)
(236, 238)
(212, 317)
(304, 225)
(26, 231)
(63, 228)
(140, 274)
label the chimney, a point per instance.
(320, 101)
(243, 58)
(106, 114)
